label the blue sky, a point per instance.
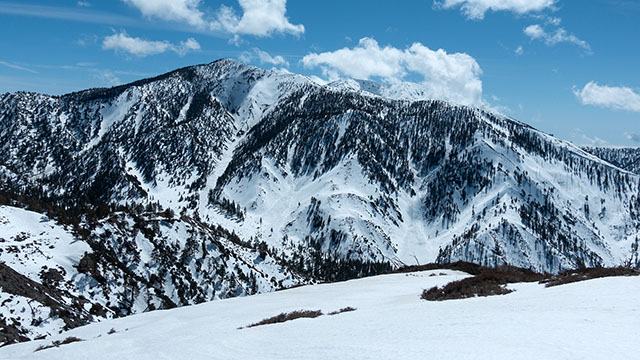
(566, 67)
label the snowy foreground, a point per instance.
(596, 319)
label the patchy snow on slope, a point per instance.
(31, 242)
(587, 320)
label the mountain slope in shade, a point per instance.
(574, 321)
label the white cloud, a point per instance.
(186, 47)
(264, 58)
(554, 21)
(632, 137)
(108, 78)
(519, 50)
(17, 67)
(537, 32)
(84, 3)
(619, 98)
(141, 48)
(476, 9)
(172, 10)
(259, 18)
(583, 139)
(453, 77)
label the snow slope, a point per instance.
(126, 264)
(594, 319)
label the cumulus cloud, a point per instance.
(453, 77)
(172, 10)
(519, 50)
(259, 17)
(264, 58)
(476, 9)
(619, 98)
(537, 32)
(141, 48)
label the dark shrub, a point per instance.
(347, 309)
(57, 343)
(490, 281)
(469, 268)
(572, 276)
(486, 282)
(280, 318)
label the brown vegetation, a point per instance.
(486, 282)
(347, 309)
(57, 343)
(489, 281)
(469, 268)
(572, 276)
(280, 318)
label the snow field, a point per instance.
(588, 320)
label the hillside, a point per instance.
(625, 158)
(574, 321)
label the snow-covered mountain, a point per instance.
(269, 179)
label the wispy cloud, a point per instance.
(107, 78)
(263, 57)
(66, 13)
(582, 139)
(17, 67)
(632, 137)
(560, 35)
